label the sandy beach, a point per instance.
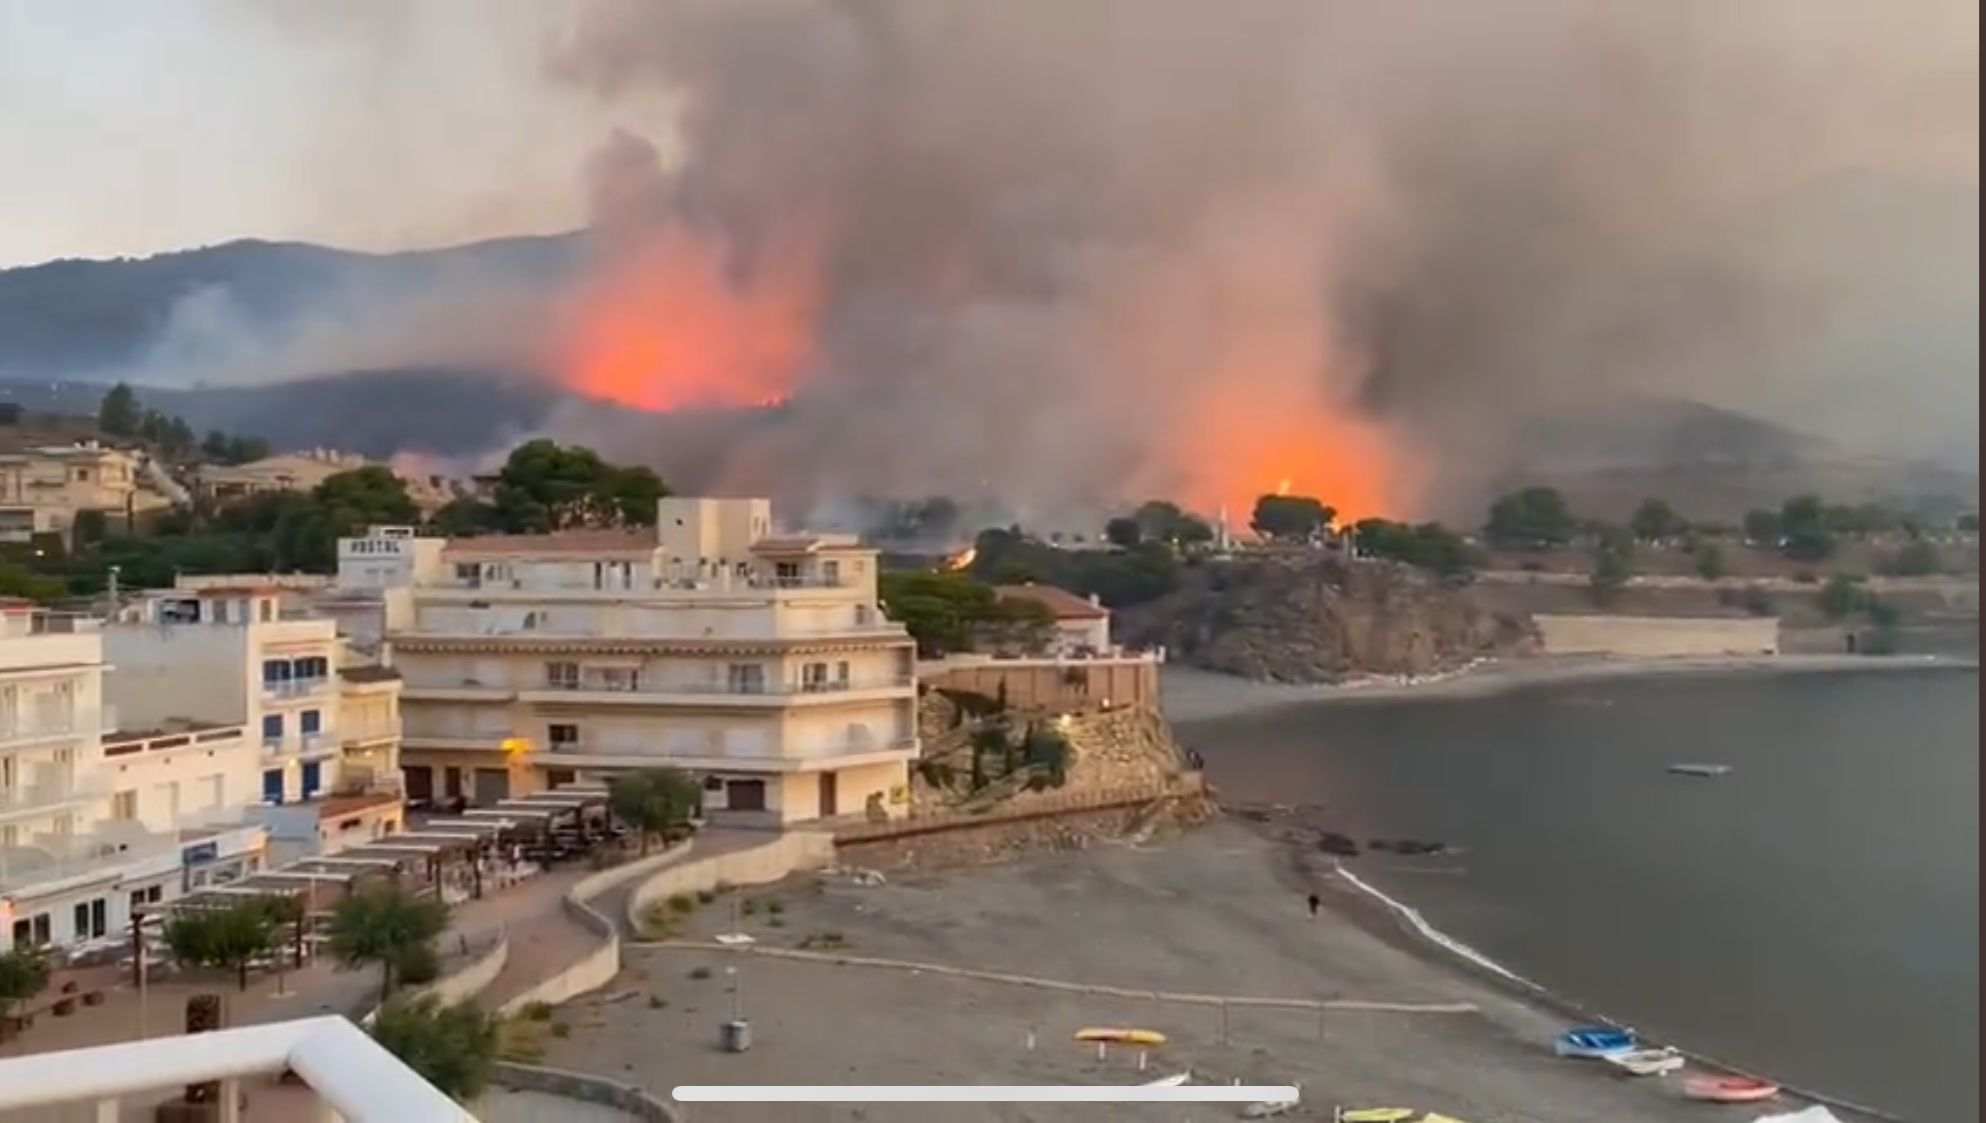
(1217, 912)
(1192, 694)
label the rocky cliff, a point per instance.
(1305, 617)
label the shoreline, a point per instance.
(1191, 694)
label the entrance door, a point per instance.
(272, 786)
(745, 795)
(827, 794)
(492, 784)
(420, 781)
(313, 778)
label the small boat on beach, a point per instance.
(1590, 1042)
(1729, 1089)
(1646, 1062)
(1173, 1081)
(1122, 1036)
(1700, 769)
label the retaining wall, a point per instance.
(1658, 635)
(592, 970)
(771, 860)
(583, 1086)
(465, 982)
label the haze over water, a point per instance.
(1813, 915)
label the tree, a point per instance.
(1762, 527)
(364, 497)
(1709, 561)
(243, 450)
(1534, 518)
(1613, 564)
(653, 800)
(1841, 596)
(1803, 529)
(23, 974)
(379, 924)
(117, 413)
(215, 446)
(1655, 520)
(452, 1047)
(548, 486)
(1967, 522)
(1123, 532)
(1915, 559)
(225, 939)
(1429, 546)
(1291, 518)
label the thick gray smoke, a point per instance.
(1069, 247)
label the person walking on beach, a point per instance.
(1314, 902)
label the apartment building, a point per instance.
(96, 821)
(758, 661)
(323, 768)
(43, 489)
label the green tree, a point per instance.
(1291, 518)
(244, 450)
(466, 516)
(1429, 545)
(1916, 559)
(364, 497)
(23, 974)
(1709, 561)
(1655, 520)
(653, 800)
(215, 446)
(117, 413)
(452, 1047)
(1841, 596)
(1967, 522)
(548, 486)
(1613, 564)
(225, 939)
(178, 441)
(1123, 532)
(1803, 529)
(1762, 528)
(1533, 518)
(380, 924)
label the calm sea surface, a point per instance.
(1813, 915)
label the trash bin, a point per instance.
(737, 1036)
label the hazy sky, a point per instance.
(134, 126)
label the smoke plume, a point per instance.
(1071, 253)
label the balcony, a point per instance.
(295, 687)
(316, 743)
(49, 796)
(723, 694)
(35, 734)
(766, 758)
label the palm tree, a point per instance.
(382, 925)
(653, 800)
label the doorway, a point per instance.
(744, 795)
(827, 794)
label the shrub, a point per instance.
(774, 907)
(705, 896)
(749, 907)
(699, 972)
(418, 964)
(1842, 595)
(775, 922)
(682, 903)
(538, 1011)
(1807, 577)
(657, 1002)
(450, 1046)
(1757, 601)
(560, 1029)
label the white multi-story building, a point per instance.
(97, 821)
(322, 770)
(760, 662)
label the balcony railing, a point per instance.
(317, 742)
(27, 797)
(737, 689)
(294, 687)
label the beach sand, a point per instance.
(1219, 911)
(1191, 694)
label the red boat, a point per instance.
(1729, 1089)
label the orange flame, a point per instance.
(662, 328)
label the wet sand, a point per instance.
(1220, 911)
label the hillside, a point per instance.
(76, 318)
(1302, 617)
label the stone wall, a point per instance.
(1054, 685)
(1647, 636)
(771, 860)
(585, 1087)
(1009, 838)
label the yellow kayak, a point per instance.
(1375, 1115)
(1126, 1036)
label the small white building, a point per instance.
(1082, 624)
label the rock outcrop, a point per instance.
(1309, 617)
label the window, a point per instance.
(124, 805)
(831, 573)
(272, 727)
(469, 573)
(311, 722)
(562, 676)
(82, 475)
(745, 678)
(861, 615)
(563, 736)
(275, 670)
(787, 573)
(313, 667)
(90, 919)
(813, 677)
(620, 679)
(841, 675)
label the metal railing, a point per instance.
(294, 687)
(739, 689)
